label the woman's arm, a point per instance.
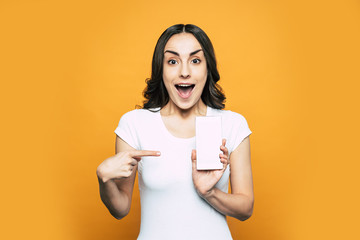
(116, 177)
(116, 193)
(239, 203)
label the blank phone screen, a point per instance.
(208, 142)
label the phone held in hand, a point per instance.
(208, 142)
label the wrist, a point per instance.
(101, 173)
(207, 194)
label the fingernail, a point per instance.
(158, 153)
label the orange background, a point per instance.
(70, 69)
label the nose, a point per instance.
(185, 71)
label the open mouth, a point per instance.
(184, 90)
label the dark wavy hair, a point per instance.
(156, 94)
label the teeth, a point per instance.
(184, 85)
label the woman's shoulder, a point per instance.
(227, 114)
(139, 115)
(140, 112)
(234, 127)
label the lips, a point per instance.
(184, 90)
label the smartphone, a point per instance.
(208, 142)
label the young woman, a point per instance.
(177, 200)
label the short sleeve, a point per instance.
(240, 130)
(126, 129)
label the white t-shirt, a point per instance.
(170, 205)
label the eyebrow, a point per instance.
(177, 54)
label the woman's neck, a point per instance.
(171, 109)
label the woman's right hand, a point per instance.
(122, 164)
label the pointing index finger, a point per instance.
(144, 153)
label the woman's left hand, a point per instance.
(205, 180)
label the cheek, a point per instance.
(203, 80)
(167, 78)
(202, 75)
(168, 74)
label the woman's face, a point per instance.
(184, 71)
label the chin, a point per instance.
(186, 105)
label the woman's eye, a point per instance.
(196, 60)
(172, 61)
